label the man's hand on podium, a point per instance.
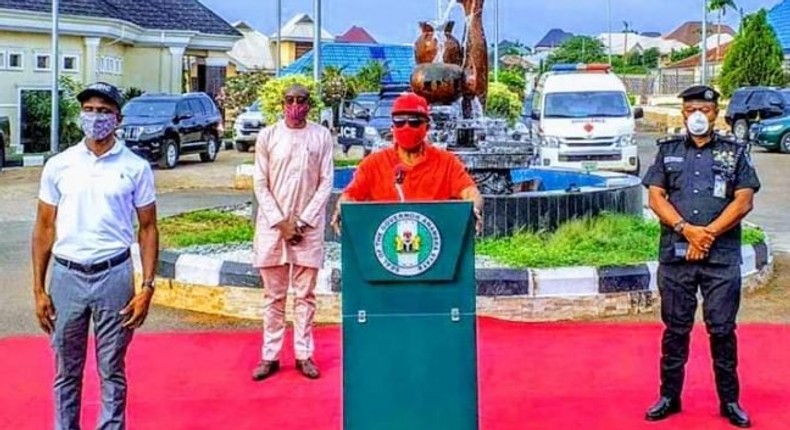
(478, 221)
(336, 221)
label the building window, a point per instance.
(70, 63)
(3, 60)
(15, 61)
(110, 65)
(43, 62)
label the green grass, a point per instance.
(339, 163)
(206, 227)
(607, 240)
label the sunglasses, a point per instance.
(300, 100)
(412, 122)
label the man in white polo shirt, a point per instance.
(89, 196)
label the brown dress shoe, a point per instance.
(265, 369)
(308, 368)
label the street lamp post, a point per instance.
(54, 136)
(704, 63)
(317, 42)
(278, 60)
(609, 13)
(496, 41)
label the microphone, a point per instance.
(400, 175)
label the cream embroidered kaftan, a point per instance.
(293, 175)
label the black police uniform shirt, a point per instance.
(700, 183)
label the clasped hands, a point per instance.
(290, 230)
(700, 241)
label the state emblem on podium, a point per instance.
(407, 243)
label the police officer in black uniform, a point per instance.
(701, 186)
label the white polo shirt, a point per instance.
(97, 198)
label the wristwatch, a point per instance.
(149, 284)
(300, 226)
(679, 226)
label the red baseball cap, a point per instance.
(410, 103)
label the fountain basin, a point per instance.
(555, 196)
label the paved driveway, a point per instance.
(772, 205)
(195, 185)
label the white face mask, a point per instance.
(698, 124)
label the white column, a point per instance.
(176, 68)
(91, 59)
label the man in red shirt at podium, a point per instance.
(411, 169)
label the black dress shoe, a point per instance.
(737, 416)
(664, 408)
(265, 369)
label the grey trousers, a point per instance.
(79, 298)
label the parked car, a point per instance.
(164, 127)
(247, 126)
(750, 105)
(5, 138)
(368, 100)
(364, 126)
(772, 134)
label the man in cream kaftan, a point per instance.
(293, 182)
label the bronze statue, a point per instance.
(427, 46)
(453, 53)
(462, 71)
(476, 54)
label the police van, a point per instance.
(582, 119)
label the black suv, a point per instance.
(751, 104)
(163, 127)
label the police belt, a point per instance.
(90, 269)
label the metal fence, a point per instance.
(641, 86)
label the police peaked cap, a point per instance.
(702, 93)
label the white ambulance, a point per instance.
(582, 119)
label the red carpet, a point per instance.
(532, 376)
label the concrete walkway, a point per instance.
(16, 297)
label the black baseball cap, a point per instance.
(104, 90)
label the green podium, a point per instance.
(409, 326)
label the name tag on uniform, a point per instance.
(719, 187)
(681, 249)
(673, 160)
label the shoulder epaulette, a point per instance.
(670, 139)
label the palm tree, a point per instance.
(720, 6)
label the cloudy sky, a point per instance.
(524, 20)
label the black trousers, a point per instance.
(721, 292)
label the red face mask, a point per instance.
(410, 138)
(296, 112)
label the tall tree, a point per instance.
(578, 49)
(755, 57)
(720, 6)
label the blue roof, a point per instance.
(554, 38)
(352, 57)
(779, 18)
